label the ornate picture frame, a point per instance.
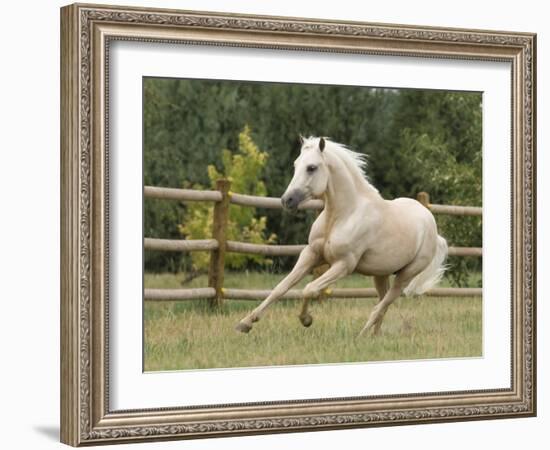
(87, 32)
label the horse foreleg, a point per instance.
(315, 288)
(305, 317)
(307, 260)
(338, 270)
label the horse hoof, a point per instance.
(306, 320)
(243, 327)
(363, 333)
(368, 333)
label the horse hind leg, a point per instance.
(401, 280)
(382, 285)
(377, 314)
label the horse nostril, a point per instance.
(291, 199)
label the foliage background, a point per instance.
(243, 169)
(416, 140)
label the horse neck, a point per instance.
(345, 189)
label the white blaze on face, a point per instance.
(310, 174)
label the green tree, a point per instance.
(440, 152)
(244, 170)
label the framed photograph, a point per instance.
(276, 224)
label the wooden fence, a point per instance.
(218, 245)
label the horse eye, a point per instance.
(311, 169)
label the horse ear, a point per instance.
(301, 139)
(322, 144)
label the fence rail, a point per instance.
(260, 294)
(456, 210)
(197, 245)
(179, 294)
(180, 245)
(189, 195)
(465, 251)
(218, 245)
(269, 202)
(263, 249)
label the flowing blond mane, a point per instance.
(355, 162)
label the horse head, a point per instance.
(311, 174)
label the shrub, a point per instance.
(244, 170)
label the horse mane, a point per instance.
(354, 161)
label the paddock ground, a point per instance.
(189, 335)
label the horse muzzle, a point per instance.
(292, 199)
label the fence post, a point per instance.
(424, 198)
(219, 231)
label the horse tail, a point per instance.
(432, 274)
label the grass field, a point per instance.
(189, 335)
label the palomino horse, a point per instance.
(357, 231)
